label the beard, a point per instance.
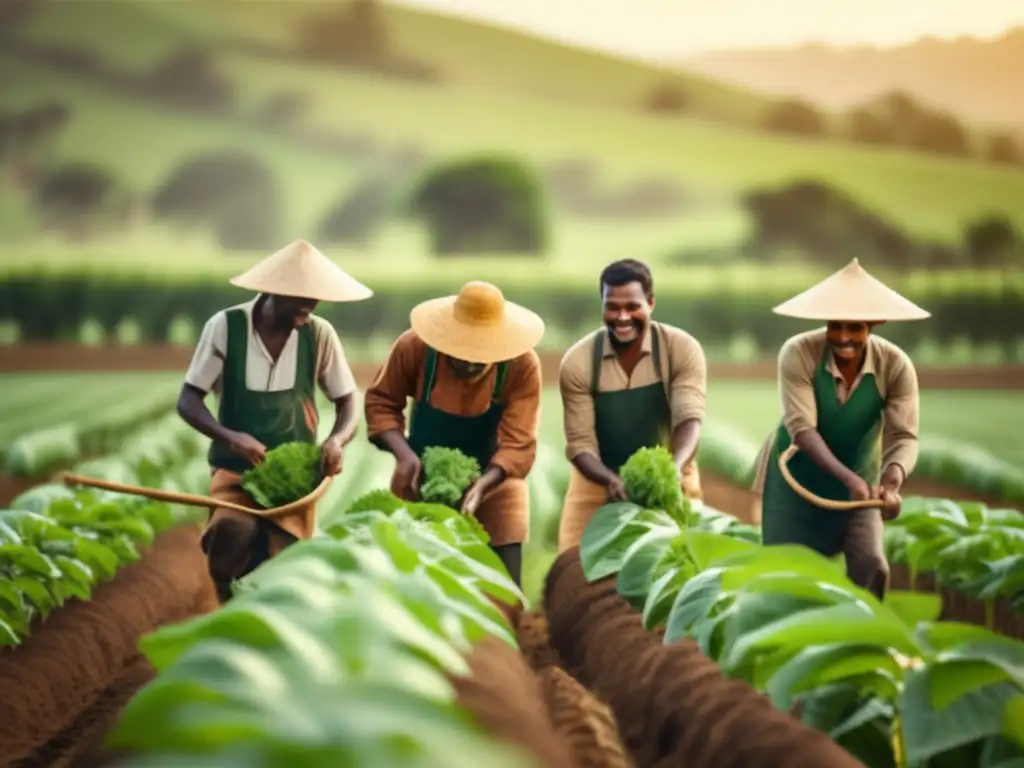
(636, 326)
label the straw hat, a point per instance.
(853, 295)
(477, 325)
(301, 270)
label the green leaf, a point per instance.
(1013, 721)
(612, 531)
(634, 582)
(658, 606)
(691, 603)
(914, 607)
(35, 593)
(708, 548)
(958, 670)
(28, 560)
(824, 664)
(7, 634)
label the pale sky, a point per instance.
(659, 28)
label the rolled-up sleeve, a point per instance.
(386, 399)
(207, 363)
(688, 391)
(577, 408)
(335, 375)
(520, 421)
(901, 417)
(796, 388)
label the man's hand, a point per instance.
(405, 482)
(616, 489)
(859, 488)
(480, 487)
(248, 447)
(889, 492)
(331, 457)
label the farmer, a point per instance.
(850, 404)
(632, 384)
(469, 366)
(264, 359)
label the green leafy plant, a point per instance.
(289, 472)
(652, 481)
(447, 474)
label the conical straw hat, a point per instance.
(301, 270)
(851, 294)
(477, 325)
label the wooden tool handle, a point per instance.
(813, 498)
(195, 500)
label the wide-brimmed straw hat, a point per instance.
(477, 325)
(853, 295)
(300, 270)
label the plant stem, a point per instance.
(990, 613)
(898, 746)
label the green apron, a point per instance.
(851, 430)
(629, 419)
(273, 418)
(475, 436)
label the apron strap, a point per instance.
(499, 381)
(597, 357)
(429, 375)
(656, 351)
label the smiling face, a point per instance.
(848, 339)
(291, 312)
(627, 312)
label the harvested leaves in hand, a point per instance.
(447, 473)
(652, 482)
(288, 473)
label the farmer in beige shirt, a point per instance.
(850, 404)
(632, 384)
(264, 360)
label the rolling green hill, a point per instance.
(501, 90)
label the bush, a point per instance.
(796, 117)
(1003, 149)
(482, 205)
(76, 197)
(232, 192)
(360, 213)
(992, 241)
(669, 98)
(188, 78)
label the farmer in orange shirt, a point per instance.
(850, 402)
(264, 359)
(469, 367)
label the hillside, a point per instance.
(979, 79)
(346, 125)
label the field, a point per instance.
(576, 106)
(142, 571)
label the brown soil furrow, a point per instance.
(673, 705)
(84, 648)
(505, 698)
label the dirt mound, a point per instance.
(586, 725)
(673, 705)
(534, 642)
(52, 682)
(504, 696)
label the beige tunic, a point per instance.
(895, 378)
(685, 381)
(262, 373)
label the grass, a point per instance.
(506, 92)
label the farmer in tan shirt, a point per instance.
(469, 367)
(264, 360)
(850, 403)
(632, 384)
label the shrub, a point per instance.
(488, 204)
(796, 117)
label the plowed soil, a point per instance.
(66, 684)
(673, 706)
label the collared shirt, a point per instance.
(262, 374)
(683, 366)
(401, 378)
(894, 375)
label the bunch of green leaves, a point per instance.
(289, 472)
(889, 683)
(651, 480)
(336, 653)
(447, 474)
(78, 542)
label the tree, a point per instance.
(796, 117)
(669, 97)
(77, 196)
(233, 192)
(1003, 149)
(486, 204)
(992, 241)
(867, 126)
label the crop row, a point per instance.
(887, 680)
(57, 543)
